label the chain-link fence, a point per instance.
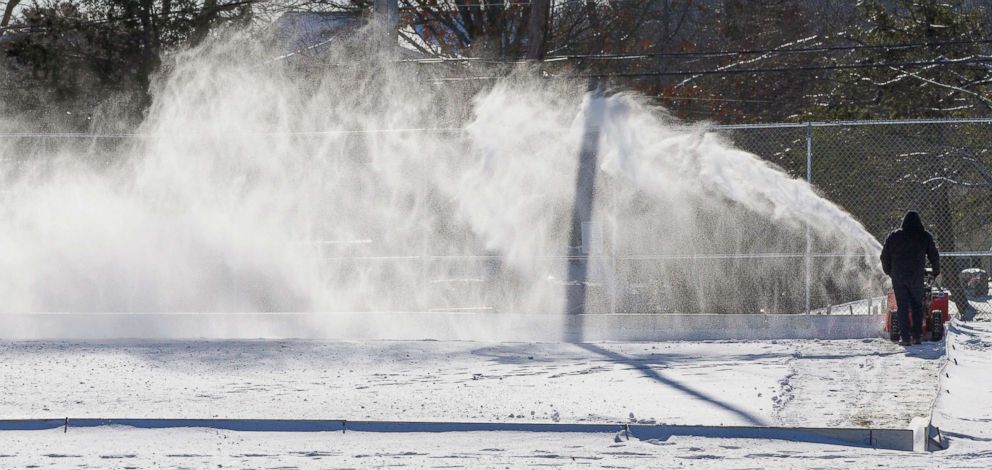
(877, 170)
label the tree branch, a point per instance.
(986, 101)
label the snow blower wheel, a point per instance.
(937, 325)
(893, 328)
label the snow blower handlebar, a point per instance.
(931, 280)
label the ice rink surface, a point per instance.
(791, 382)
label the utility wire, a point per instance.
(660, 73)
(583, 57)
(810, 68)
(796, 50)
(802, 50)
(799, 50)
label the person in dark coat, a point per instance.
(904, 258)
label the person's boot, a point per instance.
(917, 340)
(905, 342)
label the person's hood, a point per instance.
(912, 223)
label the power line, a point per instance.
(647, 55)
(783, 51)
(809, 68)
(583, 57)
(799, 50)
(796, 50)
(678, 73)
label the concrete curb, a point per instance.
(891, 439)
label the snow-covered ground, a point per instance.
(797, 382)
(790, 382)
(963, 407)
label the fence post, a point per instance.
(809, 241)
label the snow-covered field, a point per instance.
(795, 383)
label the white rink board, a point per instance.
(438, 326)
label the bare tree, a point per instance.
(537, 28)
(8, 13)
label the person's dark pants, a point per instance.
(909, 297)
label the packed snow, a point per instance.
(810, 383)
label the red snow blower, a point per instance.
(934, 310)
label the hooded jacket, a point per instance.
(906, 251)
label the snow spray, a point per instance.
(353, 182)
